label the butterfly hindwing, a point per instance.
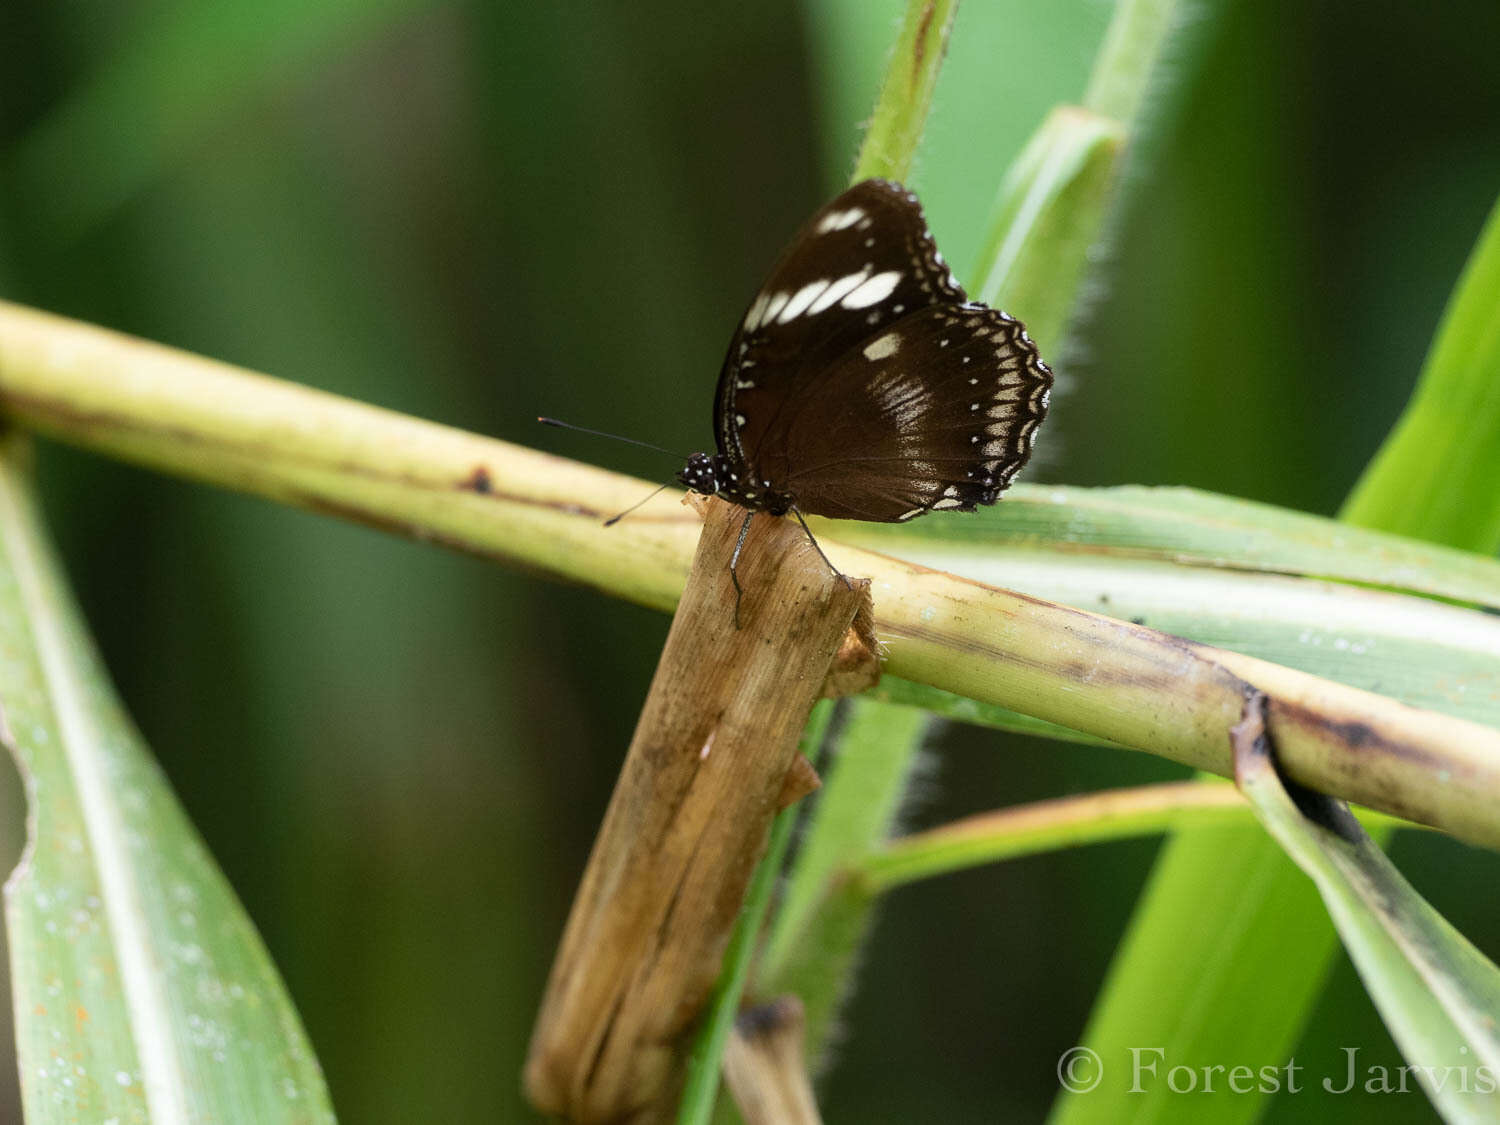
(935, 411)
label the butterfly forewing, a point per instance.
(861, 262)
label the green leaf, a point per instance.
(1436, 475)
(1131, 54)
(1195, 528)
(960, 708)
(1188, 971)
(142, 991)
(1049, 213)
(1235, 586)
(1220, 917)
(1435, 991)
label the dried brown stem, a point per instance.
(765, 1066)
(688, 821)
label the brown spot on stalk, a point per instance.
(479, 481)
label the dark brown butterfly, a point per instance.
(864, 384)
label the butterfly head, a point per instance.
(703, 473)
(716, 475)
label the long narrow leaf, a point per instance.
(1180, 978)
(1195, 528)
(1432, 655)
(1049, 213)
(1435, 991)
(1435, 476)
(142, 991)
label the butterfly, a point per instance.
(862, 382)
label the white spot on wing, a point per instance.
(800, 300)
(838, 220)
(836, 291)
(774, 306)
(884, 347)
(872, 292)
(757, 310)
(902, 397)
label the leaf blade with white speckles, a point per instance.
(142, 991)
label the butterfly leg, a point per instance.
(734, 563)
(840, 575)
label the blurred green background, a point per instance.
(481, 212)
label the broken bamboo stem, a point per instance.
(704, 776)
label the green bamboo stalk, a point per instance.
(207, 420)
(809, 952)
(911, 76)
(1064, 822)
(1050, 213)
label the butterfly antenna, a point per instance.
(616, 519)
(616, 437)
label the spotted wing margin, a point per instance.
(861, 262)
(936, 412)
